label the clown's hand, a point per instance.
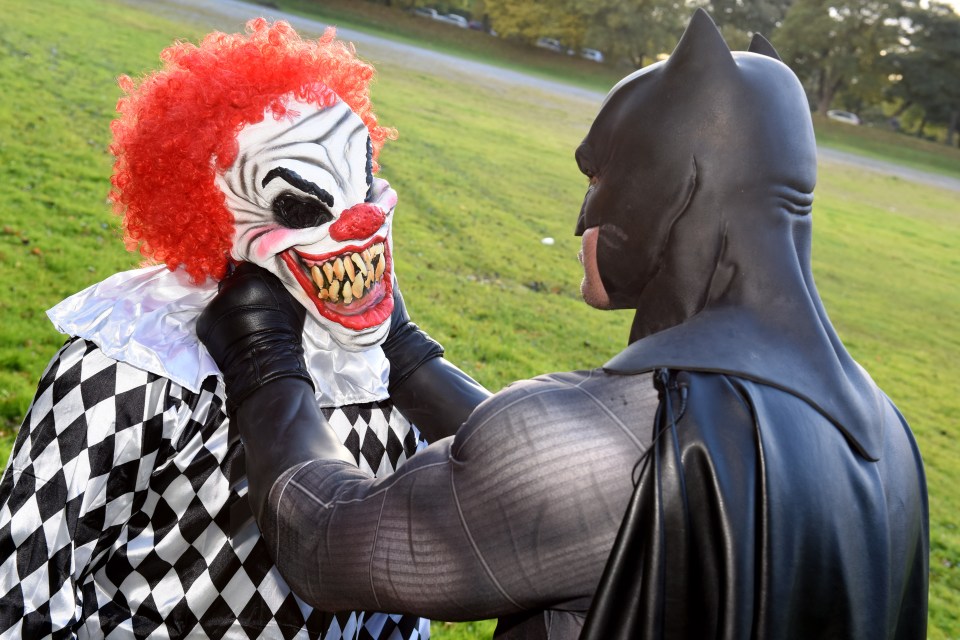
(430, 391)
(253, 329)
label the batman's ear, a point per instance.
(761, 45)
(701, 47)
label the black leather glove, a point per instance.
(430, 391)
(407, 347)
(253, 330)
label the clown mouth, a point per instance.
(348, 287)
(349, 276)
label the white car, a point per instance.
(454, 19)
(843, 116)
(591, 54)
(552, 44)
(449, 18)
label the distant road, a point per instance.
(230, 15)
(888, 168)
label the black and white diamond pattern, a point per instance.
(123, 514)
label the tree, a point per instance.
(532, 19)
(927, 66)
(637, 31)
(750, 16)
(634, 30)
(840, 46)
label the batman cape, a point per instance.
(784, 495)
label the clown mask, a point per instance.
(307, 208)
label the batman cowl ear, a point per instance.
(761, 45)
(701, 47)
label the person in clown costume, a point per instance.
(123, 510)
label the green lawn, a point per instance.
(483, 173)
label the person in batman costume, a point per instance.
(733, 473)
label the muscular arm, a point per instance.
(324, 519)
(518, 511)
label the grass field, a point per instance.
(483, 173)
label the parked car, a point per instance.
(551, 44)
(843, 116)
(454, 19)
(426, 12)
(591, 54)
(449, 18)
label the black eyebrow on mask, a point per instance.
(304, 185)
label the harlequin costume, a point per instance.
(123, 511)
(733, 473)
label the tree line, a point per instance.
(892, 60)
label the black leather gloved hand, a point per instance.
(430, 391)
(407, 347)
(253, 330)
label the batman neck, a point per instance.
(761, 269)
(764, 324)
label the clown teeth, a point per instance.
(349, 276)
(317, 276)
(349, 268)
(358, 260)
(368, 269)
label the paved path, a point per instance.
(888, 168)
(230, 15)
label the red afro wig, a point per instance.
(177, 128)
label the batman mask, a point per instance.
(687, 158)
(702, 172)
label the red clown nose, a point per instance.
(358, 222)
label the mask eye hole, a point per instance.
(299, 212)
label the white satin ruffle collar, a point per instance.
(147, 318)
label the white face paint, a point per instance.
(307, 208)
